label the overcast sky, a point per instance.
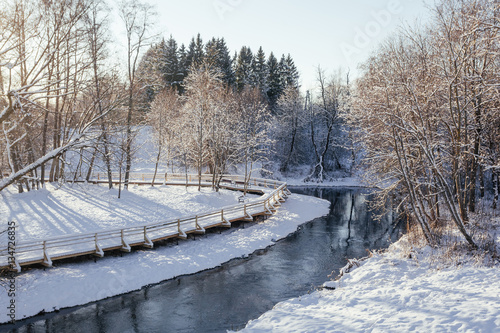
(333, 34)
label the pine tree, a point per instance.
(198, 51)
(275, 87)
(218, 59)
(259, 72)
(212, 54)
(183, 66)
(195, 52)
(190, 53)
(225, 62)
(292, 74)
(243, 68)
(150, 73)
(283, 70)
(170, 64)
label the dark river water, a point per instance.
(226, 297)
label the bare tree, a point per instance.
(290, 117)
(162, 118)
(203, 89)
(45, 73)
(137, 17)
(325, 115)
(96, 25)
(425, 105)
(253, 132)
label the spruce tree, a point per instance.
(225, 62)
(198, 51)
(260, 73)
(275, 87)
(243, 68)
(195, 52)
(190, 53)
(183, 67)
(170, 64)
(292, 74)
(283, 70)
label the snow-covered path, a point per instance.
(79, 283)
(82, 208)
(391, 293)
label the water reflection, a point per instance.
(227, 297)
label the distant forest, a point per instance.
(166, 64)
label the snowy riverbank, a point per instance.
(78, 283)
(393, 292)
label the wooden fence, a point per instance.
(45, 251)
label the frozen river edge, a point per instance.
(81, 283)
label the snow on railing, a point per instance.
(44, 251)
(174, 178)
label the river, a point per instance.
(227, 297)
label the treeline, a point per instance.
(300, 130)
(166, 64)
(213, 127)
(429, 116)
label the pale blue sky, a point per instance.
(331, 33)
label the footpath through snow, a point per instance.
(65, 210)
(391, 292)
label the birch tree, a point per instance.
(202, 88)
(137, 17)
(164, 114)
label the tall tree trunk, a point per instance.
(156, 165)
(128, 143)
(496, 187)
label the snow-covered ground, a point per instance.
(56, 211)
(78, 208)
(393, 292)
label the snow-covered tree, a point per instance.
(290, 120)
(324, 118)
(164, 114)
(425, 105)
(253, 135)
(43, 75)
(259, 74)
(243, 68)
(136, 17)
(202, 89)
(274, 82)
